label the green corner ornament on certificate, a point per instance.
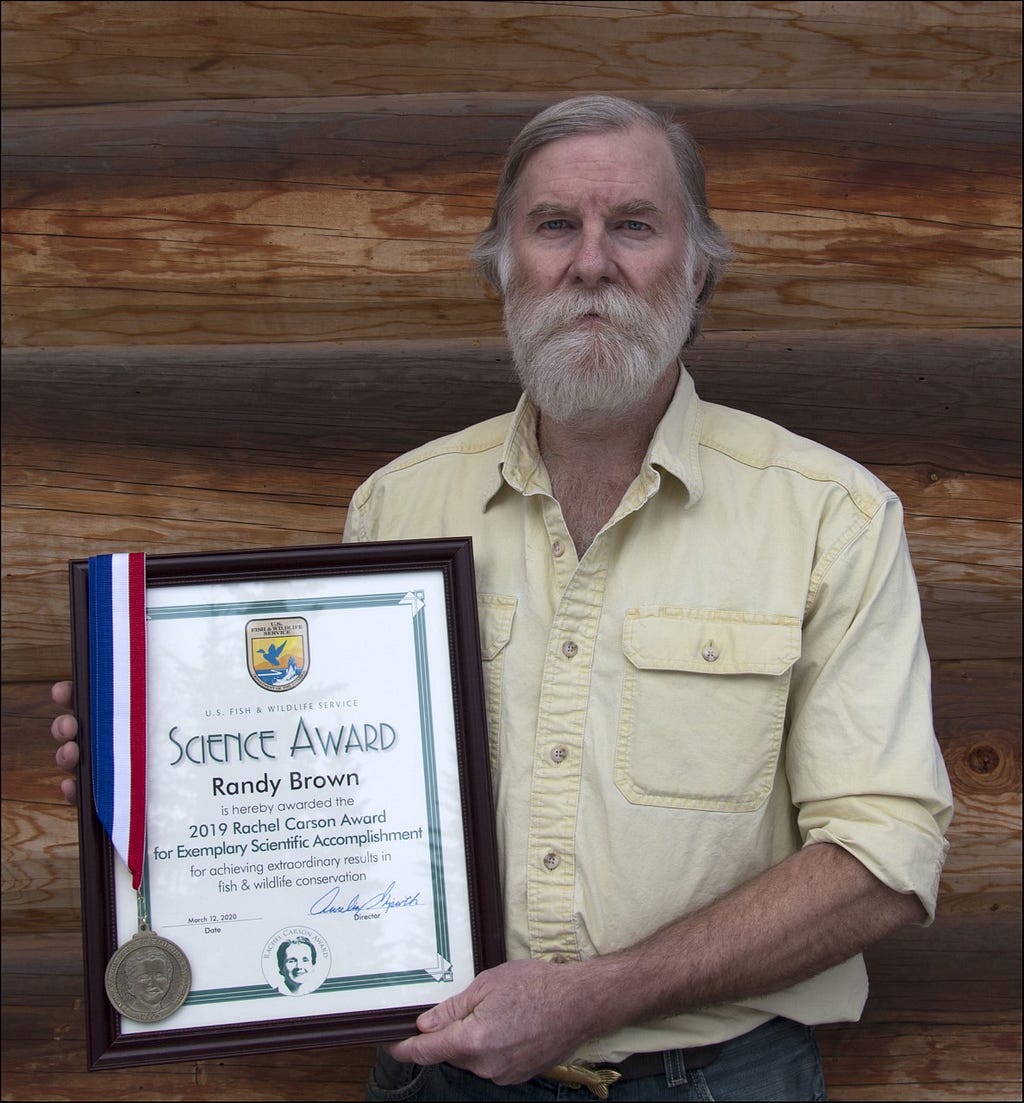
(149, 977)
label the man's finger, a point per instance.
(67, 756)
(436, 1018)
(420, 1049)
(60, 692)
(64, 729)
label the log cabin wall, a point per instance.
(235, 283)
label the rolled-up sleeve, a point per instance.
(864, 766)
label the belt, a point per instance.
(653, 1064)
(598, 1078)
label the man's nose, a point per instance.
(593, 263)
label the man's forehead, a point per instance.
(632, 170)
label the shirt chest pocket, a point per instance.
(703, 706)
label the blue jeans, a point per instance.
(777, 1061)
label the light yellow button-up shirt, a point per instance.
(734, 669)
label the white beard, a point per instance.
(575, 369)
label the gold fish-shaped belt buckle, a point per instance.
(582, 1076)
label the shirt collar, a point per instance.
(674, 448)
(521, 465)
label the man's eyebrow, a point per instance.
(548, 209)
(637, 206)
(629, 209)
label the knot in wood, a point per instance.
(984, 759)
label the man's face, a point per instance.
(298, 963)
(600, 297)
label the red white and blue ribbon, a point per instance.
(117, 688)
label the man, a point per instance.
(708, 693)
(296, 959)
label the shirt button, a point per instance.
(710, 653)
(570, 648)
(551, 860)
(557, 549)
(559, 754)
(559, 959)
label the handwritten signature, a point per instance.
(383, 901)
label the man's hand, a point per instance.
(513, 1022)
(813, 910)
(65, 730)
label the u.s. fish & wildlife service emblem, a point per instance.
(277, 650)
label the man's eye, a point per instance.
(634, 225)
(555, 224)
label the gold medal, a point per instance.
(148, 978)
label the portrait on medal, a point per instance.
(148, 979)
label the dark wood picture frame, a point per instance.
(108, 1046)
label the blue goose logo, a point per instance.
(278, 652)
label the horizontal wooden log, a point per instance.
(170, 449)
(979, 618)
(888, 1064)
(344, 220)
(948, 399)
(44, 1042)
(977, 709)
(922, 157)
(87, 53)
(924, 974)
(868, 1061)
(41, 889)
(972, 1001)
(40, 867)
(977, 720)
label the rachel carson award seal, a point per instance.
(148, 978)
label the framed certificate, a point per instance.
(319, 836)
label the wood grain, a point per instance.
(982, 875)
(40, 867)
(345, 221)
(946, 399)
(227, 49)
(172, 447)
(223, 310)
(954, 1053)
(882, 1061)
(40, 875)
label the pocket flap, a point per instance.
(496, 613)
(710, 641)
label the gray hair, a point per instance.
(706, 243)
